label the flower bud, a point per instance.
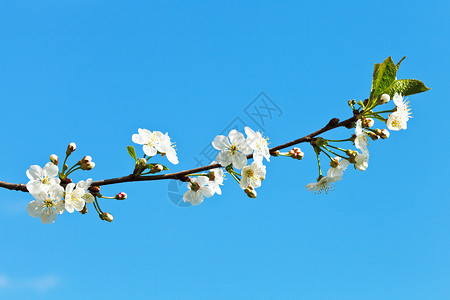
(142, 162)
(250, 191)
(298, 155)
(156, 169)
(352, 155)
(85, 160)
(385, 98)
(351, 102)
(333, 122)
(94, 190)
(72, 147)
(54, 159)
(89, 166)
(106, 216)
(121, 196)
(384, 134)
(368, 122)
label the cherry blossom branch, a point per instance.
(182, 175)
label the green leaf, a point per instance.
(406, 87)
(132, 152)
(399, 62)
(384, 75)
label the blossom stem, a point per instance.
(332, 152)
(317, 150)
(343, 150)
(70, 170)
(73, 171)
(327, 153)
(382, 112)
(346, 140)
(235, 177)
(97, 206)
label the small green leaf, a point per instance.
(400, 61)
(384, 75)
(406, 87)
(132, 152)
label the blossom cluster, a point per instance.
(154, 142)
(234, 149)
(50, 198)
(360, 159)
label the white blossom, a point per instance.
(167, 149)
(75, 196)
(338, 171)
(215, 177)
(47, 204)
(252, 175)
(258, 144)
(361, 137)
(322, 185)
(42, 179)
(84, 185)
(398, 119)
(362, 161)
(154, 142)
(234, 149)
(198, 189)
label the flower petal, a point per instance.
(221, 142)
(35, 208)
(50, 170)
(239, 160)
(34, 172)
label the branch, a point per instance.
(182, 175)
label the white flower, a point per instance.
(215, 177)
(398, 119)
(338, 171)
(322, 185)
(87, 197)
(42, 179)
(74, 197)
(402, 106)
(361, 138)
(258, 144)
(362, 161)
(47, 204)
(198, 190)
(154, 142)
(252, 175)
(166, 148)
(234, 149)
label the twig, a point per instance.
(182, 175)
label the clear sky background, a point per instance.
(93, 72)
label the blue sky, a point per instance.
(93, 72)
